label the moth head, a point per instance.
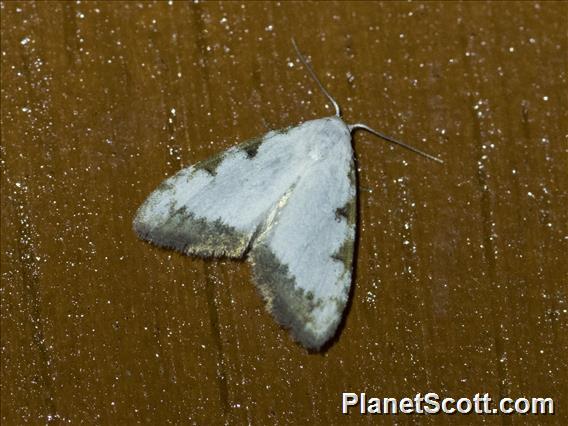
(356, 126)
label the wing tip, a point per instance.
(290, 306)
(300, 333)
(148, 233)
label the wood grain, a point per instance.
(461, 276)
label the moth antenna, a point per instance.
(314, 76)
(361, 126)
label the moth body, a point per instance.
(287, 200)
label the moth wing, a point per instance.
(291, 194)
(302, 261)
(214, 208)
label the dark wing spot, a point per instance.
(341, 212)
(210, 165)
(347, 212)
(251, 147)
(345, 254)
(165, 186)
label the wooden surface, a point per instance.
(461, 276)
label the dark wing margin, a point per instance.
(187, 234)
(291, 306)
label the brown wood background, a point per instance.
(461, 278)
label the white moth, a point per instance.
(288, 200)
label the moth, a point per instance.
(287, 201)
